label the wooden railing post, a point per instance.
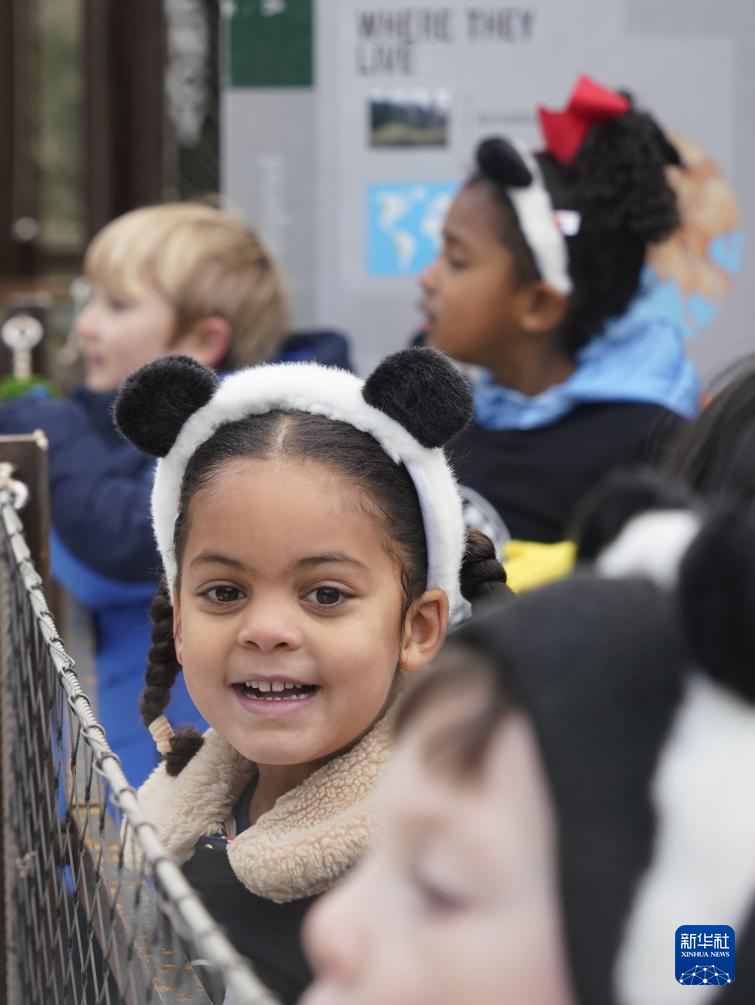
(28, 455)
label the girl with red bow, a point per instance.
(536, 283)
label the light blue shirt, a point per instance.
(636, 359)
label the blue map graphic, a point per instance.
(404, 225)
(691, 311)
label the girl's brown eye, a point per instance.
(326, 596)
(223, 594)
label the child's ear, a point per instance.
(177, 631)
(425, 628)
(540, 308)
(207, 341)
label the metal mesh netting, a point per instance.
(82, 925)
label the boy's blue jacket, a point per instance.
(102, 547)
(102, 551)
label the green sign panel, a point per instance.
(270, 43)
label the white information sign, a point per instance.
(351, 178)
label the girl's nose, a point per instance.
(427, 279)
(269, 627)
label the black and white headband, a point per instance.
(412, 404)
(544, 227)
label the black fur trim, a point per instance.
(155, 401)
(717, 597)
(618, 499)
(421, 389)
(500, 161)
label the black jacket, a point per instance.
(536, 477)
(268, 934)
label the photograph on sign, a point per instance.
(416, 118)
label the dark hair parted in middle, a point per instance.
(387, 491)
(618, 184)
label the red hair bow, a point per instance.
(589, 103)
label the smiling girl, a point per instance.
(311, 534)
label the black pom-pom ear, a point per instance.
(617, 500)
(423, 390)
(156, 400)
(499, 160)
(717, 598)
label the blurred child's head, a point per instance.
(184, 278)
(714, 454)
(547, 821)
(312, 537)
(459, 900)
(549, 247)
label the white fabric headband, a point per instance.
(411, 404)
(543, 227)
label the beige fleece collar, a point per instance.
(303, 844)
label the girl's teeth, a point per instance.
(265, 687)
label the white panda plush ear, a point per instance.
(716, 590)
(423, 391)
(155, 401)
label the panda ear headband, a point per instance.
(412, 404)
(514, 167)
(544, 228)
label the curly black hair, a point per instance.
(618, 184)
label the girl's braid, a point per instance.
(482, 575)
(162, 670)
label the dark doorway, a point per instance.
(105, 105)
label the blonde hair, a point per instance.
(205, 262)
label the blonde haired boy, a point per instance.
(178, 278)
(181, 277)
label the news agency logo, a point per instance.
(704, 954)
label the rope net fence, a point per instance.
(85, 922)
